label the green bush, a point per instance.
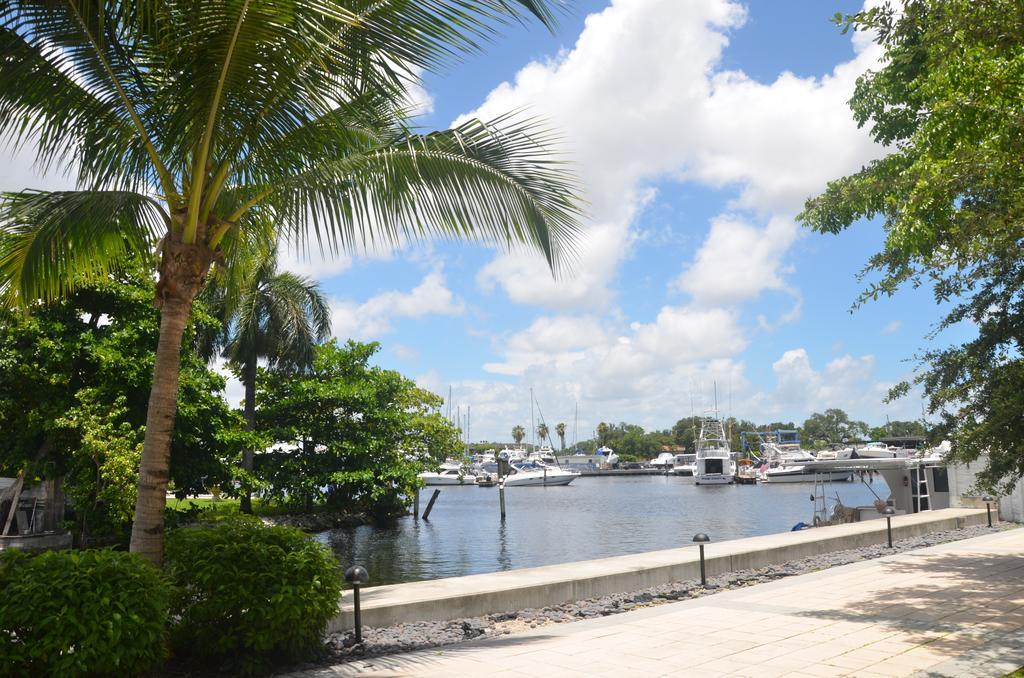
(70, 613)
(249, 596)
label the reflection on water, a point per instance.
(592, 518)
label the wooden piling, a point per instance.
(416, 505)
(430, 504)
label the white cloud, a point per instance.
(893, 327)
(375, 317)
(738, 261)
(641, 97)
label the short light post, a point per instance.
(988, 508)
(357, 576)
(700, 538)
(889, 512)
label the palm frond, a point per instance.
(53, 242)
(498, 182)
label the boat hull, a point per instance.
(435, 480)
(539, 480)
(808, 477)
(713, 479)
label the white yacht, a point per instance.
(878, 450)
(685, 465)
(451, 473)
(664, 461)
(532, 473)
(787, 463)
(610, 458)
(714, 460)
(544, 455)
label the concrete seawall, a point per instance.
(475, 595)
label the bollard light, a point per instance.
(357, 576)
(700, 538)
(889, 512)
(988, 508)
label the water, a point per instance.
(595, 517)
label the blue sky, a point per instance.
(698, 128)
(782, 340)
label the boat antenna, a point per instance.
(715, 382)
(469, 408)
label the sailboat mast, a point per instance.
(533, 424)
(575, 421)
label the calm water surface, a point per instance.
(595, 517)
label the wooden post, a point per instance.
(416, 505)
(14, 503)
(430, 504)
(501, 498)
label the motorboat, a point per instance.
(787, 463)
(610, 458)
(544, 455)
(714, 459)
(451, 473)
(685, 465)
(664, 461)
(513, 454)
(532, 473)
(879, 450)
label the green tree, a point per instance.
(946, 104)
(685, 433)
(832, 426)
(276, 317)
(602, 433)
(518, 433)
(192, 127)
(900, 429)
(542, 432)
(73, 382)
(349, 435)
(560, 430)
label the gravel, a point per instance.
(341, 647)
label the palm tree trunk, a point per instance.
(183, 269)
(249, 376)
(154, 472)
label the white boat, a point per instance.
(610, 458)
(787, 463)
(663, 461)
(513, 454)
(543, 455)
(531, 473)
(685, 465)
(877, 450)
(714, 460)
(451, 473)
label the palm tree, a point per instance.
(542, 432)
(602, 433)
(270, 316)
(192, 126)
(560, 430)
(518, 433)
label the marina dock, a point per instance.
(955, 609)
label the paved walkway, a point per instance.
(950, 610)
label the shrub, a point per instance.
(249, 596)
(68, 613)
